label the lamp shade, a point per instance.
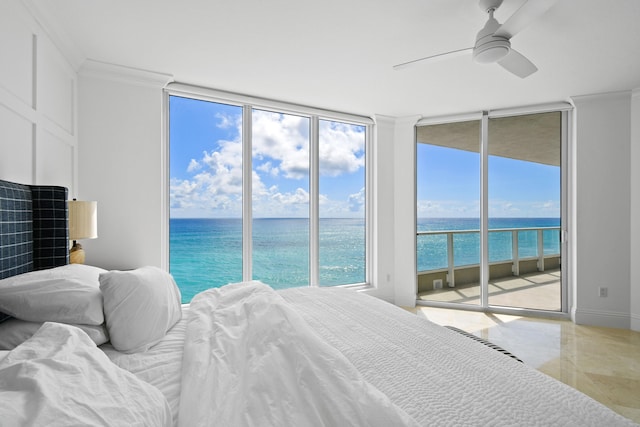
(83, 220)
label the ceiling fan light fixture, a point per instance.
(492, 51)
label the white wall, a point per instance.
(121, 163)
(404, 226)
(38, 140)
(602, 193)
(394, 258)
(383, 207)
(635, 210)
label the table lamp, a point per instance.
(83, 224)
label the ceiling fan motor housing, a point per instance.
(490, 48)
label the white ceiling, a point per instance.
(338, 54)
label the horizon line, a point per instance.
(424, 217)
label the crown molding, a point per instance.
(602, 96)
(381, 118)
(123, 74)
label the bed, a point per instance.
(84, 346)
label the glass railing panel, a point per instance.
(527, 243)
(500, 247)
(551, 241)
(466, 249)
(432, 252)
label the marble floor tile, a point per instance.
(603, 363)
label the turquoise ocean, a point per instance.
(206, 253)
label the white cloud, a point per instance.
(549, 205)
(447, 209)
(273, 203)
(300, 196)
(283, 138)
(194, 166)
(226, 121)
(280, 149)
(497, 209)
(525, 209)
(341, 148)
(356, 201)
(182, 193)
(269, 169)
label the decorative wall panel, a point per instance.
(38, 138)
(16, 147)
(16, 56)
(54, 160)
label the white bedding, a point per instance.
(434, 375)
(59, 377)
(159, 366)
(250, 360)
(438, 376)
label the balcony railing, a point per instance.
(500, 251)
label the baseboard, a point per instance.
(607, 319)
(635, 322)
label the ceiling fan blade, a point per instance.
(517, 64)
(433, 58)
(521, 18)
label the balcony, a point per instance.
(524, 267)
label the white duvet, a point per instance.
(59, 377)
(251, 360)
(437, 376)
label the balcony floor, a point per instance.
(538, 291)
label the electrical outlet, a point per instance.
(602, 291)
(437, 284)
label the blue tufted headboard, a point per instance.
(34, 232)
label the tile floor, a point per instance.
(603, 363)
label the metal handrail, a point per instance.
(515, 259)
(490, 230)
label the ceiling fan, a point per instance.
(493, 42)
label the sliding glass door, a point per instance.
(524, 193)
(489, 199)
(448, 217)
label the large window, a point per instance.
(263, 193)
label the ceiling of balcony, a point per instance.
(533, 137)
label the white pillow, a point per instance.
(14, 332)
(140, 306)
(66, 294)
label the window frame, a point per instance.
(248, 104)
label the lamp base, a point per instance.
(76, 254)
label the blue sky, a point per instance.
(206, 163)
(206, 170)
(449, 185)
